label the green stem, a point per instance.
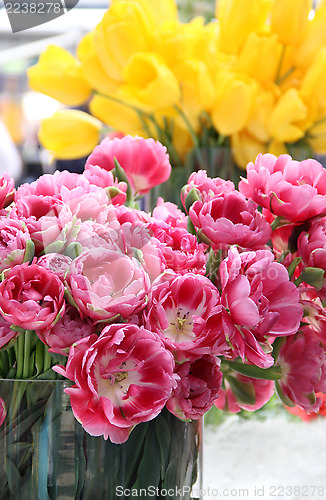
(272, 373)
(189, 126)
(19, 349)
(284, 77)
(27, 354)
(47, 359)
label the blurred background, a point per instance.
(21, 109)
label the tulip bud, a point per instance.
(314, 276)
(59, 75)
(244, 393)
(289, 19)
(191, 197)
(70, 134)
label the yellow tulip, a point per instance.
(317, 136)
(233, 102)
(59, 75)
(118, 114)
(70, 134)
(289, 19)
(283, 123)
(124, 30)
(257, 125)
(245, 148)
(260, 56)
(237, 19)
(181, 139)
(314, 38)
(313, 87)
(277, 148)
(92, 67)
(151, 81)
(197, 86)
(159, 11)
(174, 43)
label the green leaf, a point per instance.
(149, 468)
(292, 267)
(120, 174)
(285, 400)
(273, 373)
(73, 250)
(164, 437)
(314, 276)
(244, 393)
(29, 251)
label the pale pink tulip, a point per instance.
(14, 238)
(105, 284)
(68, 330)
(169, 213)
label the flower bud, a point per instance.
(70, 134)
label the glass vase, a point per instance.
(45, 454)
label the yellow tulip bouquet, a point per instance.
(252, 79)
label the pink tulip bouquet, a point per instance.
(217, 303)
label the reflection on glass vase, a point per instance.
(46, 454)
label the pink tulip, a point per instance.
(230, 219)
(31, 297)
(54, 231)
(68, 330)
(206, 187)
(169, 213)
(3, 411)
(288, 188)
(104, 284)
(180, 249)
(197, 388)
(14, 237)
(258, 300)
(7, 190)
(6, 333)
(314, 312)
(56, 263)
(121, 378)
(179, 310)
(85, 200)
(104, 179)
(303, 366)
(144, 161)
(230, 400)
(312, 249)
